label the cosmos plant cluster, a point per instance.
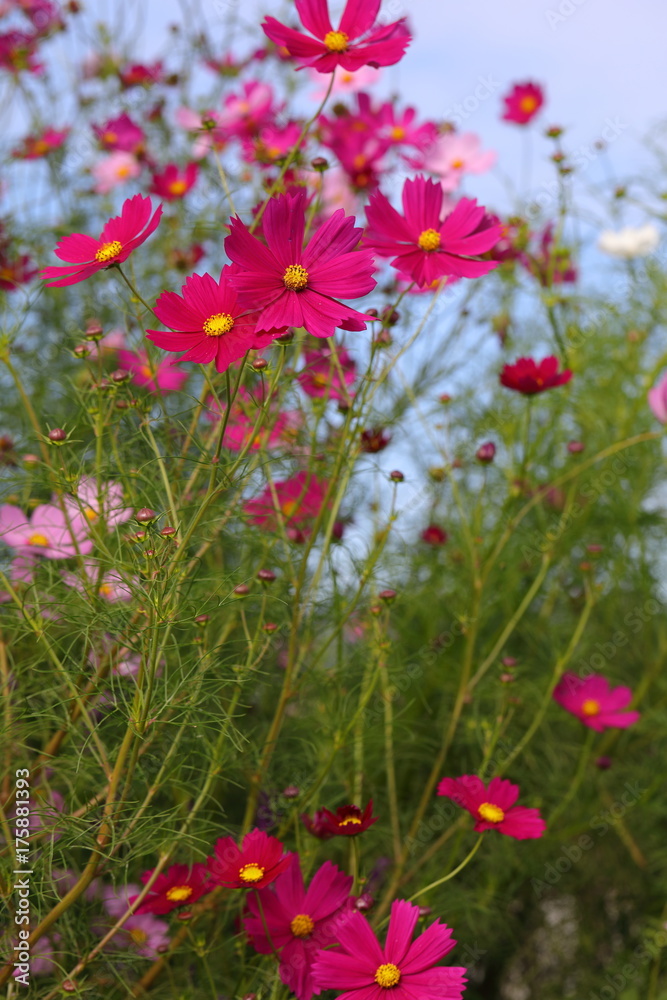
(305, 258)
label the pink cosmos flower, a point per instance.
(595, 703)
(142, 932)
(124, 662)
(115, 169)
(347, 81)
(358, 41)
(271, 144)
(254, 865)
(209, 323)
(493, 806)
(137, 74)
(174, 183)
(120, 236)
(120, 133)
(160, 377)
(523, 102)
(246, 113)
(34, 147)
(207, 139)
(299, 501)
(95, 501)
(319, 378)
(294, 286)
(456, 154)
(299, 922)
(46, 533)
(110, 586)
(281, 432)
(657, 400)
(18, 52)
(425, 246)
(180, 885)
(364, 970)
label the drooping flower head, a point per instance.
(595, 702)
(254, 865)
(120, 236)
(493, 807)
(299, 921)
(295, 285)
(208, 321)
(423, 244)
(298, 501)
(523, 102)
(347, 821)
(358, 41)
(180, 885)
(173, 183)
(404, 969)
(529, 377)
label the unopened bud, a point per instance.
(57, 436)
(266, 575)
(259, 364)
(93, 330)
(486, 452)
(388, 596)
(396, 476)
(242, 590)
(145, 515)
(319, 164)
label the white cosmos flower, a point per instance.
(632, 241)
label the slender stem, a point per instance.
(446, 878)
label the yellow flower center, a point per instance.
(528, 104)
(177, 187)
(350, 819)
(295, 277)
(387, 975)
(429, 240)
(38, 539)
(138, 936)
(289, 507)
(591, 707)
(251, 873)
(179, 893)
(40, 146)
(109, 137)
(216, 325)
(336, 41)
(398, 133)
(457, 164)
(108, 251)
(90, 514)
(491, 813)
(302, 925)
(123, 170)
(105, 590)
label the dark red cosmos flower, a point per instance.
(252, 866)
(434, 535)
(347, 821)
(358, 41)
(523, 102)
(208, 322)
(530, 377)
(120, 236)
(180, 885)
(316, 824)
(374, 439)
(425, 246)
(294, 285)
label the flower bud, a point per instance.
(259, 364)
(57, 436)
(486, 452)
(202, 619)
(396, 476)
(554, 132)
(168, 531)
(241, 590)
(291, 792)
(81, 351)
(388, 596)
(145, 515)
(269, 627)
(93, 330)
(266, 575)
(119, 376)
(319, 164)
(574, 447)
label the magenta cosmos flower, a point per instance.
(156, 377)
(320, 379)
(424, 246)
(595, 703)
(174, 183)
(121, 235)
(295, 285)
(276, 429)
(254, 865)
(299, 501)
(657, 400)
(493, 807)
(47, 533)
(180, 885)
(299, 921)
(358, 41)
(208, 322)
(529, 377)
(364, 970)
(522, 103)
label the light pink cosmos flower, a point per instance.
(405, 969)
(159, 377)
(143, 932)
(456, 154)
(347, 81)
(120, 236)
(657, 400)
(358, 41)
(299, 921)
(95, 501)
(595, 703)
(113, 170)
(246, 113)
(110, 586)
(46, 533)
